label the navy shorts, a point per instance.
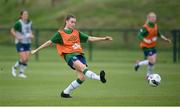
(149, 52)
(20, 47)
(78, 57)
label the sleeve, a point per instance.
(17, 26)
(57, 38)
(83, 37)
(142, 33)
(159, 33)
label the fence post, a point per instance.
(90, 47)
(174, 46)
(178, 46)
(37, 43)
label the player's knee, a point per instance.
(152, 62)
(82, 77)
(82, 68)
(24, 60)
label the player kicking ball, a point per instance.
(68, 42)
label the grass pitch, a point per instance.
(50, 75)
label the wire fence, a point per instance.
(125, 39)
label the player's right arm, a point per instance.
(142, 34)
(16, 28)
(46, 44)
(55, 39)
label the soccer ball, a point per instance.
(154, 80)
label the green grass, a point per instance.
(50, 75)
(93, 13)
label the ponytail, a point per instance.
(21, 13)
(67, 18)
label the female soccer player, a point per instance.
(68, 45)
(148, 39)
(22, 32)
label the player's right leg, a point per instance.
(76, 83)
(18, 63)
(15, 67)
(143, 62)
(23, 51)
(140, 63)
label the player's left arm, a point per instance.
(163, 37)
(31, 35)
(94, 39)
(84, 38)
(166, 39)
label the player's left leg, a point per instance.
(151, 56)
(81, 66)
(88, 73)
(101, 77)
(152, 61)
(24, 56)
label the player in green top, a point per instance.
(22, 32)
(57, 39)
(68, 37)
(148, 37)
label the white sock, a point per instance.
(91, 74)
(149, 70)
(17, 64)
(22, 68)
(144, 62)
(71, 87)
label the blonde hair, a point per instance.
(150, 14)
